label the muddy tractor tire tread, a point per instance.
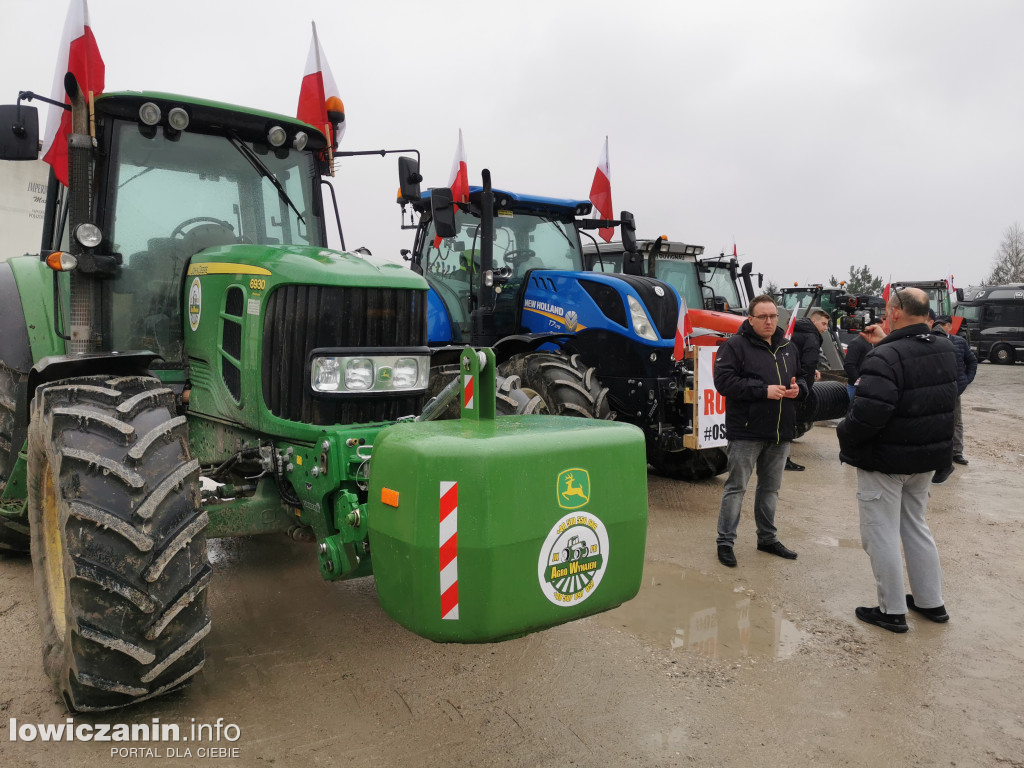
(559, 385)
(114, 496)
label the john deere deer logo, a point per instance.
(573, 488)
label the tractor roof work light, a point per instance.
(89, 235)
(300, 140)
(149, 113)
(178, 119)
(276, 136)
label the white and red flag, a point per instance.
(79, 55)
(458, 180)
(792, 323)
(320, 103)
(601, 193)
(684, 328)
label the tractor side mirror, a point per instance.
(628, 230)
(409, 178)
(19, 132)
(959, 294)
(442, 211)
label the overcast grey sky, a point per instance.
(816, 135)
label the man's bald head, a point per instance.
(907, 306)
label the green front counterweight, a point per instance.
(486, 529)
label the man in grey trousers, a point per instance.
(758, 371)
(898, 431)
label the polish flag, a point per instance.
(684, 327)
(79, 56)
(601, 193)
(458, 180)
(320, 104)
(949, 284)
(792, 324)
(885, 292)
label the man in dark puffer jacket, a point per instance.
(757, 371)
(897, 432)
(807, 333)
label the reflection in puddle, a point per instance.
(829, 541)
(679, 608)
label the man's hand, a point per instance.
(817, 375)
(776, 391)
(792, 391)
(873, 333)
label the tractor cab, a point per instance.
(529, 233)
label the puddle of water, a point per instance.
(828, 541)
(683, 609)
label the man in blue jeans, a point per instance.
(756, 370)
(897, 432)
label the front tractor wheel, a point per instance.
(559, 385)
(118, 542)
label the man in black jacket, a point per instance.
(855, 352)
(807, 334)
(757, 372)
(966, 370)
(897, 432)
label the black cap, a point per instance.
(931, 314)
(943, 319)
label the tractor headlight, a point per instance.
(386, 371)
(89, 235)
(641, 324)
(325, 374)
(359, 374)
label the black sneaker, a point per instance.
(726, 556)
(777, 548)
(894, 622)
(959, 459)
(942, 475)
(792, 466)
(938, 615)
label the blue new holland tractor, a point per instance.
(507, 271)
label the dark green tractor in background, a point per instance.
(185, 320)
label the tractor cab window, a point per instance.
(172, 197)
(682, 275)
(521, 242)
(721, 282)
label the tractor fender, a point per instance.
(53, 367)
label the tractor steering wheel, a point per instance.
(180, 229)
(518, 256)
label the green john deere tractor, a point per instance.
(186, 359)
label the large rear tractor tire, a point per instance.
(118, 541)
(687, 464)
(559, 385)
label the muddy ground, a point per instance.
(763, 664)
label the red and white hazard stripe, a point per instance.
(448, 543)
(468, 400)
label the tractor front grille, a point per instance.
(301, 318)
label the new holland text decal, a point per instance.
(555, 314)
(573, 559)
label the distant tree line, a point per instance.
(1008, 263)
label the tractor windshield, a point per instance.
(171, 197)
(721, 281)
